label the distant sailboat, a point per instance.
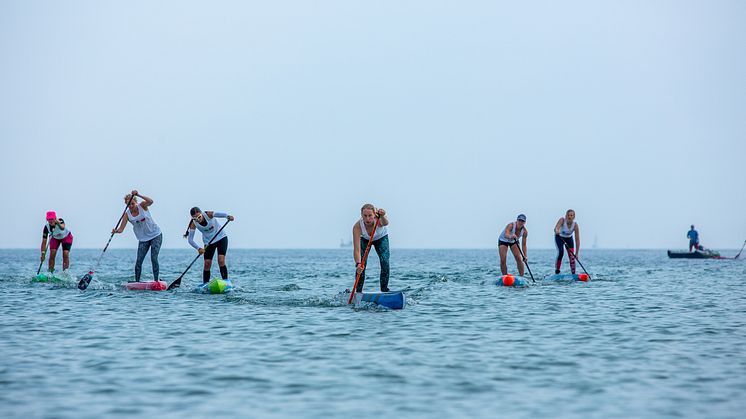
(343, 244)
(595, 242)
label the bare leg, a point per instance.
(503, 250)
(518, 258)
(52, 256)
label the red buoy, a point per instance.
(583, 277)
(508, 280)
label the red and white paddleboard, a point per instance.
(146, 286)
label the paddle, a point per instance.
(86, 279)
(524, 260)
(49, 240)
(739, 252)
(362, 262)
(573, 255)
(177, 282)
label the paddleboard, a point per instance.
(394, 300)
(512, 281)
(567, 277)
(47, 278)
(216, 286)
(146, 286)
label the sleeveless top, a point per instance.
(566, 230)
(502, 237)
(208, 231)
(145, 228)
(381, 231)
(57, 232)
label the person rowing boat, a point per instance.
(693, 237)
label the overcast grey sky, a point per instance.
(454, 116)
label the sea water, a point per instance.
(648, 336)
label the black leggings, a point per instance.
(558, 241)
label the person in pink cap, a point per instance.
(60, 236)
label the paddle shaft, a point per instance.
(49, 239)
(362, 262)
(177, 281)
(739, 252)
(572, 254)
(86, 279)
(524, 260)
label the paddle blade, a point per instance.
(85, 281)
(174, 284)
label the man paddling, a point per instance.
(361, 235)
(693, 237)
(509, 239)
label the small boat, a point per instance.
(394, 300)
(567, 277)
(512, 281)
(698, 254)
(216, 286)
(146, 286)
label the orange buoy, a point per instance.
(508, 280)
(583, 277)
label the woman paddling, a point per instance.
(509, 239)
(361, 235)
(563, 231)
(61, 236)
(207, 224)
(146, 230)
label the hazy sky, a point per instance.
(454, 116)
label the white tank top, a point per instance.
(381, 231)
(208, 231)
(145, 228)
(57, 232)
(502, 237)
(565, 230)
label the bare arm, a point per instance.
(508, 230)
(577, 239)
(384, 218)
(558, 225)
(146, 201)
(524, 245)
(356, 233)
(122, 225)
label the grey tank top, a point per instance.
(145, 228)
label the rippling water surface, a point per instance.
(648, 336)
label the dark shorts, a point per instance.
(221, 246)
(502, 243)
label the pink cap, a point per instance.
(51, 215)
